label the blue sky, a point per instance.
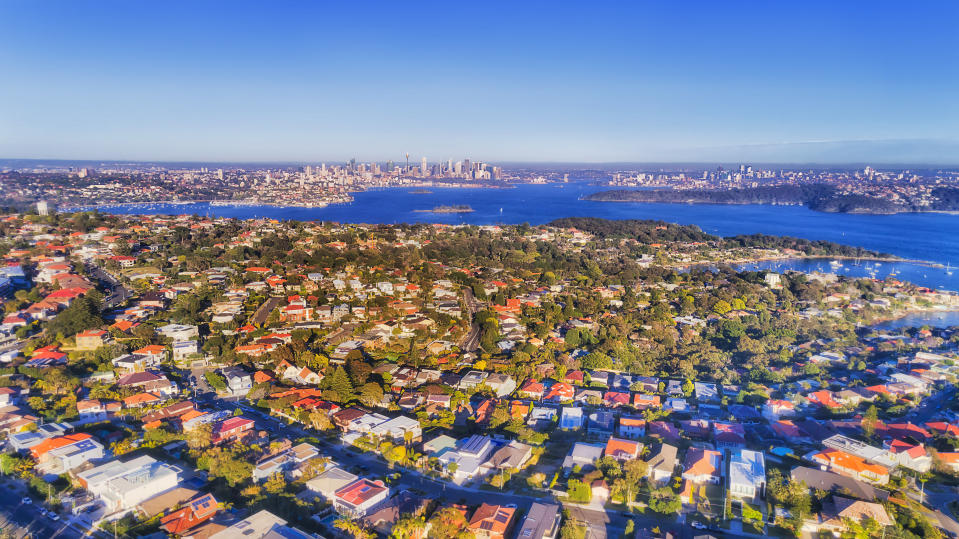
(510, 81)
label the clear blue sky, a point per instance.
(528, 81)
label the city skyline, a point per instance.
(819, 83)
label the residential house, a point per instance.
(491, 521)
(835, 460)
(621, 449)
(192, 514)
(583, 455)
(329, 481)
(703, 466)
(632, 427)
(356, 499)
(663, 463)
(541, 522)
(92, 339)
(469, 456)
(571, 418)
(838, 511)
(260, 525)
(747, 474)
(123, 485)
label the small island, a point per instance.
(458, 208)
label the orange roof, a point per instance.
(60, 441)
(850, 462)
(619, 447)
(140, 398)
(151, 349)
(260, 377)
(192, 414)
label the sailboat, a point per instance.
(948, 269)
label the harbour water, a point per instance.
(920, 236)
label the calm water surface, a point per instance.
(923, 236)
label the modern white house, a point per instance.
(571, 418)
(468, 457)
(123, 485)
(747, 474)
(179, 332)
(397, 429)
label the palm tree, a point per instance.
(408, 527)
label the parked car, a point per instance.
(698, 525)
(26, 499)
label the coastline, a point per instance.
(588, 198)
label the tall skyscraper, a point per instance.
(423, 168)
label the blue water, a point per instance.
(904, 271)
(925, 236)
(939, 319)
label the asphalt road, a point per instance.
(21, 520)
(929, 406)
(471, 341)
(118, 293)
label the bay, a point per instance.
(921, 236)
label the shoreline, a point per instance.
(587, 198)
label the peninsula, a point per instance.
(819, 197)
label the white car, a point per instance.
(698, 525)
(53, 516)
(26, 499)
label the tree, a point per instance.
(200, 437)
(665, 501)
(634, 471)
(320, 419)
(340, 383)
(870, 420)
(353, 529)
(449, 523)
(408, 527)
(275, 484)
(578, 491)
(371, 394)
(216, 381)
(572, 529)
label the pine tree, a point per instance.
(340, 382)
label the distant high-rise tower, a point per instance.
(219, 173)
(43, 207)
(423, 167)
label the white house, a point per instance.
(571, 418)
(179, 332)
(468, 457)
(747, 474)
(397, 428)
(123, 485)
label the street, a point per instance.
(21, 520)
(470, 341)
(117, 292)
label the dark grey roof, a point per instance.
(832, 482)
